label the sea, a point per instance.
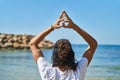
(19, 64)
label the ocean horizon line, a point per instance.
(98, 44)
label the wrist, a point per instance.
(52, 28)
(75, 27)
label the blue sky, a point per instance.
(100, 18)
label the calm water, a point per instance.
(19, 64)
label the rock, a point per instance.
(50, 45)
(9, 36)
(2, 35)
(24, 46)
(10, 40)
(15, 39)
(1, 45)
(16, 45)
(20, 41)
(40, 45)
(9, 45)
(1, 39)
(24, 37)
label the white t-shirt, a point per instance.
(47, 72)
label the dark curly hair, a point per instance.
(63, 55)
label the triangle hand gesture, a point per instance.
(63, 21)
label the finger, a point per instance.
(66, 21)
(61, 15)
(59, 26)
(60, 21)
(65, 14)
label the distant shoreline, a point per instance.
(20, 41)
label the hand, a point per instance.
(63, 21)
(67, 23)
(58, 24)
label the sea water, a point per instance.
(19, 64)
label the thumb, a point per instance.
(66, 23)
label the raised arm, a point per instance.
(87, 37)
(37, 39)
(90, 40)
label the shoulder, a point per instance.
(84, 60)
(40, 59)
(81, 68)
(41, 62)
(83, 63)
(45, 69)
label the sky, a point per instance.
(100, 18)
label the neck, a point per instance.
(62, 68)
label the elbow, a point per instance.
(31, 43)
(95, 44)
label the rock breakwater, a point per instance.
(19, 41)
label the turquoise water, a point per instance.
(19, 64)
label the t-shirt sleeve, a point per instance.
(41, 62)
(44, 68)
(82, 67)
